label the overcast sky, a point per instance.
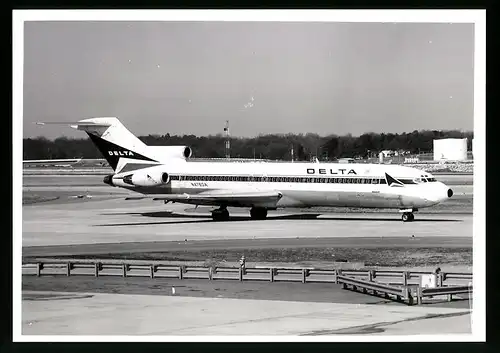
(189, 78)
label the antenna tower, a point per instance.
(228, 142)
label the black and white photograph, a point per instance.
(235, 175)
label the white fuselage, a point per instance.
(301, 184)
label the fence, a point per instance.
(403, 285)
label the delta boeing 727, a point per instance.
(166, 173)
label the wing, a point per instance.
(226, 198)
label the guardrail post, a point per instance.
(38, 269)
(440, 279)
(152, 271)
(450, 297)
(335, 280)
(419, 295)
(240, 274)
(210, 273)
(181, 270)
(304, 274)
(374, 274)
(338, 272)
(409, 296)
(405, 278)
(124, 268)
(96, 269)
(370, 275)
(271, 274)
(68, 269)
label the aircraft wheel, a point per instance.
(220, 215)
(408, 217)
(258, 213)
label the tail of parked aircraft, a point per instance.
(122, 149)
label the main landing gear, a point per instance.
(258, 213)
(222, 214)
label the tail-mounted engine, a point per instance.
(163, 153)
(147, 179)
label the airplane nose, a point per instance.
(450, 193)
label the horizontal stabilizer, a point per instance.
(77, 124)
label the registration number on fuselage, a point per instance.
(199, 184)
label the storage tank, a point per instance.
(450, 149)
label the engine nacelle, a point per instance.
(147, 179)
(169, 152)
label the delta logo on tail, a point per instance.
(392, 181)
(113, 152)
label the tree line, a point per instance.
(268, 146)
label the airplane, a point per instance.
(166, 173)
(67, 162)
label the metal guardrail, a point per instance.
(404, 285)
(407, 291)
(445, 290)
(401, 293)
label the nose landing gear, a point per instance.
(407, 217)
(408, 214)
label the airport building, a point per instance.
(450, 149)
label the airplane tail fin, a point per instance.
(115, 142)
